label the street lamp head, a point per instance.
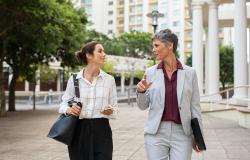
(155, 15)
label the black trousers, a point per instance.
(92, 140)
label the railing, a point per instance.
(55, 97)
(213, 98)
(41, 97)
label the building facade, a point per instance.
(113, 17)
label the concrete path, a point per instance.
(23, 137)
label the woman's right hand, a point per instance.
(75, 110)
(143, 85)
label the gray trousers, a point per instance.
(169, 143)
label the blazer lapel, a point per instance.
(160, 79)
(180, 83)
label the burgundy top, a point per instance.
(171, 110)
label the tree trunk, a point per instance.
(12, 89)
(34, 96)
(224, 95)
(2, 95)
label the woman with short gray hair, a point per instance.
(170, 91)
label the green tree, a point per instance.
(189, 60)
(139, 74)
(74, 31)
(47, 73)
(92, 35)
(108, 67)
(34, 32)
(150, 63)
(226, 65)
(136, 44)
(112, 46)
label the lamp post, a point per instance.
(131, 83)
(155, 15)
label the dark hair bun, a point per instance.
(79, 56)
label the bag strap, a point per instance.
(76, 86)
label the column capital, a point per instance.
(212, 4)
(197, 5)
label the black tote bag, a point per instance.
(64, 127)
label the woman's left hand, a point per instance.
(107, 111)
(195, 147)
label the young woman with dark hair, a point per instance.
(93, 135)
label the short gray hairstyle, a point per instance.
(165, 36)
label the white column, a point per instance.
(122, 82)
(248, 42)
(58, 83)
(240, 48)
(227, 36)
(197, 50)
(37, 87)
(206, 61)
(213, 73)
(26, 86)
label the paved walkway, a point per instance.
(23, 137)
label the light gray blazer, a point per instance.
(154, 98)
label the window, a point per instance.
(164, 26)
(136, 28)
(139, 28)
(121, 12)
(177, 34)
(132, 1)
(88, 10)
(110, 32)
(132, 9)
(176, 3)
(176, 23)
(154, 6)
(121, 21)
(132, 19)
(110, 22)
(176, 12)
(189, 45)
(86, 1)
(139, 19)
(164, 5)
(189, 34)
(139, 9)
(121, 2)
(111, 3)
(188, 23)
(110, 12)
(132, 28)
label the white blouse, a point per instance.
(94, 96)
